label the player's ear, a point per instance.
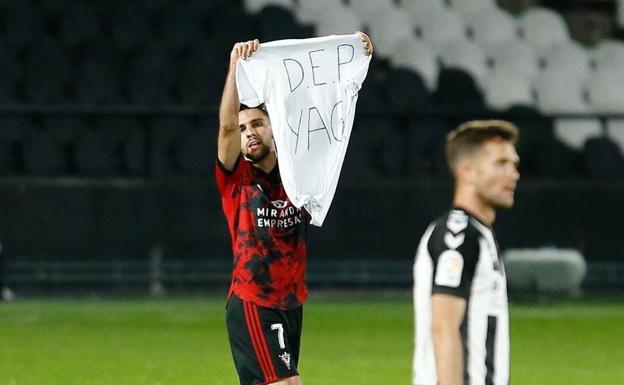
(465, 171)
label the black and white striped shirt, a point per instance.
(458, 255)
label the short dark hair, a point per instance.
(469, 136)
(260, 107)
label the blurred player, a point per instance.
(460, 289)
(265, 305)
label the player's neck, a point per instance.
(268, 163)
(475, 206)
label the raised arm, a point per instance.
(228, 148)
(446, 318)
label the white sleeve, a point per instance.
(359, 66)
(250, 82)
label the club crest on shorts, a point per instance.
(285, 359)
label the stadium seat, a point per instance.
(570, 57)
(515, 57)
(46, 72)
(439, 26)
(534, 128)
(130, 27)
(559, 92)
(369, 9)
(191, 151)
(407, 91)
(491, 25)
(230, 23)
(470, 8)
(575, 132)
(425, 142)
(255, 6)
(96, 80)
(114, 147)
(163, 132)
(97, 153)
(150, 76)
(387, 27)
(609, 54)
(503, 90)
(128, 131)
(465, 55)
(310, 12)
(180, 27)
(47, 152)
(11, 73)
(201, 70)
(23, 22)
(79, 25)
(603, 159)
(606, 91)
(458, 91)
(606, 95)
(15, 131)
(278, 23)
(615, 131)
(419, 57)
(417, 8)
(376, 149)
(543, 27)
(53, 8)
(553, 159)
(340, 20)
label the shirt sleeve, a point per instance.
(455, 256)
(226, 179)
(251, 80)
(360, 63)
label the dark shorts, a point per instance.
(265, 342)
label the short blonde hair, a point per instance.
(469, 136)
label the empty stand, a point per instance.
(407, 92)
(491, 25)
(515, 57)
(255, 6)
(603, 158)
(46, 72)
(278, 23)
(340, 20)
(504, 90)
(458, 91)
(609, 55)
(471, 8)
(439, 26)
(417, 56)
(79, 25)
(388, 26)
(130, 27)
(543, 27)
(465, 55)
(568, 56)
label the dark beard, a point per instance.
(262, 153)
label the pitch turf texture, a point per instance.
(345, 341)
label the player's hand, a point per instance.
(368, 44)
(243, 50)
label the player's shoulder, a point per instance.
(453, 230)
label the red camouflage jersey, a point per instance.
(268, 237)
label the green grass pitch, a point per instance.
(345, 341)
